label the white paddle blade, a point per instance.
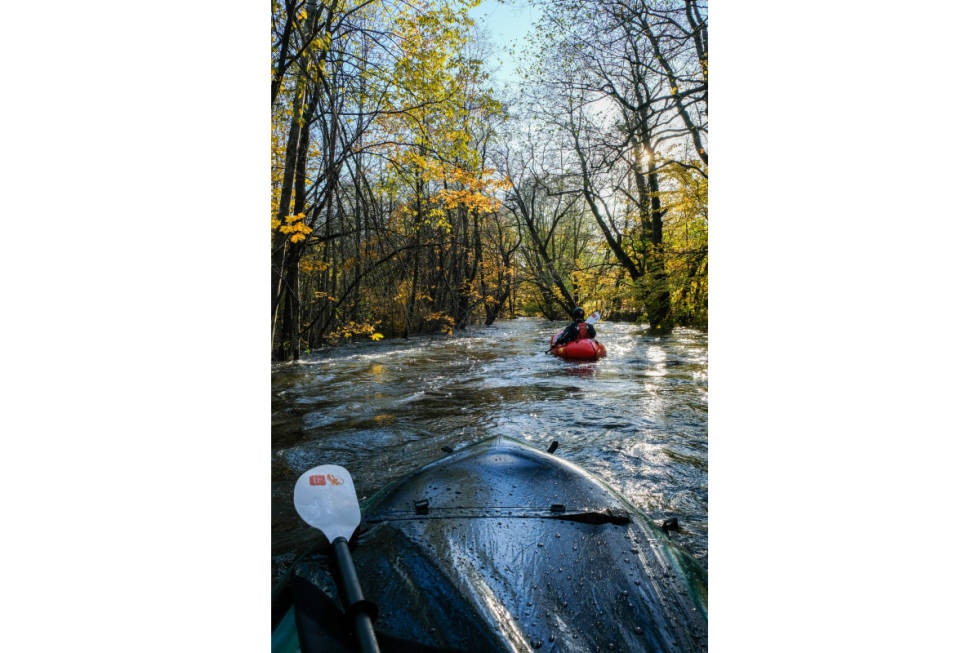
(325, 498)
(592, 319)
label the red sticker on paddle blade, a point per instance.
(318, 479)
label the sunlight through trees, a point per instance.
(410, 196)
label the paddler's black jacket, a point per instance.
(571, 332)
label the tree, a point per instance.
(548, 210)
(630, 95)
(379, 189)
(406, 199)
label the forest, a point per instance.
(411, 196)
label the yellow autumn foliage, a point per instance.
(351, 330)
(309, 265)
(293, 226)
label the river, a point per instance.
(637, 419)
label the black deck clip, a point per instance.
(558, 507)
(554, 445)
(670, 525)
(422, 507)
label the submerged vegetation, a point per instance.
(410, 196)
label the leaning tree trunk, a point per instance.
(285, 276)
(281, 244)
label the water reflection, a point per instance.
(579, 369)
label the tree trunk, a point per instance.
(280, 247)
(657, 292)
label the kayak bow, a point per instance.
(500, 547)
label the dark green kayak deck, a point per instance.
(503, 547)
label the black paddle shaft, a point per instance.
(360, 610)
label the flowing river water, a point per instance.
(637, 419)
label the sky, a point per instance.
(507, 25)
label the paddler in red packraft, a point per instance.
(579, 328)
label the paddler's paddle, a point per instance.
(592, 319)
(325, 498)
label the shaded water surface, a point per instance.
(637, 419)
